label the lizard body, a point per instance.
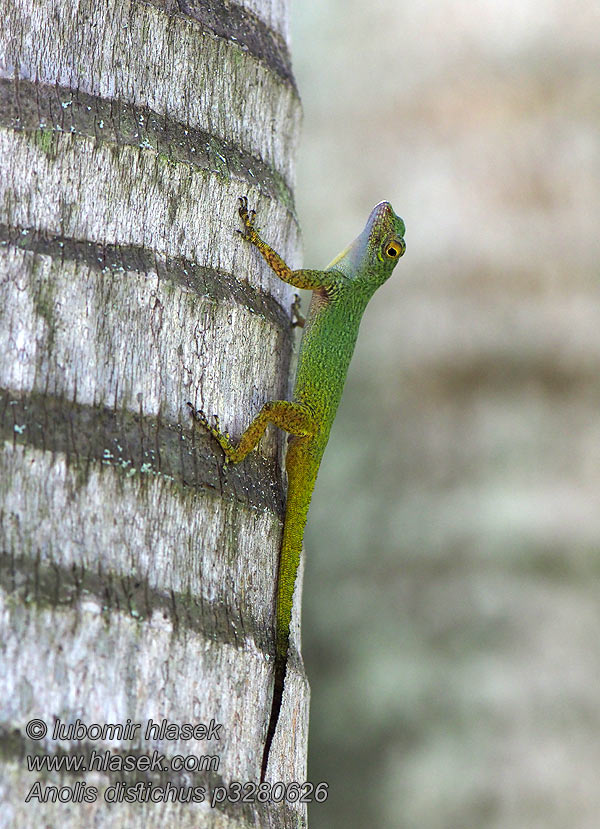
(340, 295)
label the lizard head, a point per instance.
(373, 255)
(385, 233)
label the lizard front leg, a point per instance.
(303, 278)
(292, 417)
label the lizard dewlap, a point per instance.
(340, 295)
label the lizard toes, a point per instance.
(198, 415)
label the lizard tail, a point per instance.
(300, 489)
(280, 672)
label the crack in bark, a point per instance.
(232, 22)
(133, 444)
(47, 109)
(57, 586)
(201, 280)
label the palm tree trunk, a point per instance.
(137, 574)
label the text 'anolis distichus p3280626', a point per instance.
(340, 295)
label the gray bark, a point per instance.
(137, 573)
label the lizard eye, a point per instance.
(394, 249)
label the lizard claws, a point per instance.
(198, 415)
(246, 215)
(298, 318)
(243, 208)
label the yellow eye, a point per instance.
(394, 249)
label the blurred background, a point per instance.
(451, 612)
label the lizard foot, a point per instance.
(199, 416)
(298, 319)
(247, 216)
(221, 437)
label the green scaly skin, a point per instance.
(340, 295)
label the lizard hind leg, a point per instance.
(292, 417)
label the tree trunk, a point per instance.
(137, 572)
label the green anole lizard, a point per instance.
(340, 295)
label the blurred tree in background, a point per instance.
(451, 608)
